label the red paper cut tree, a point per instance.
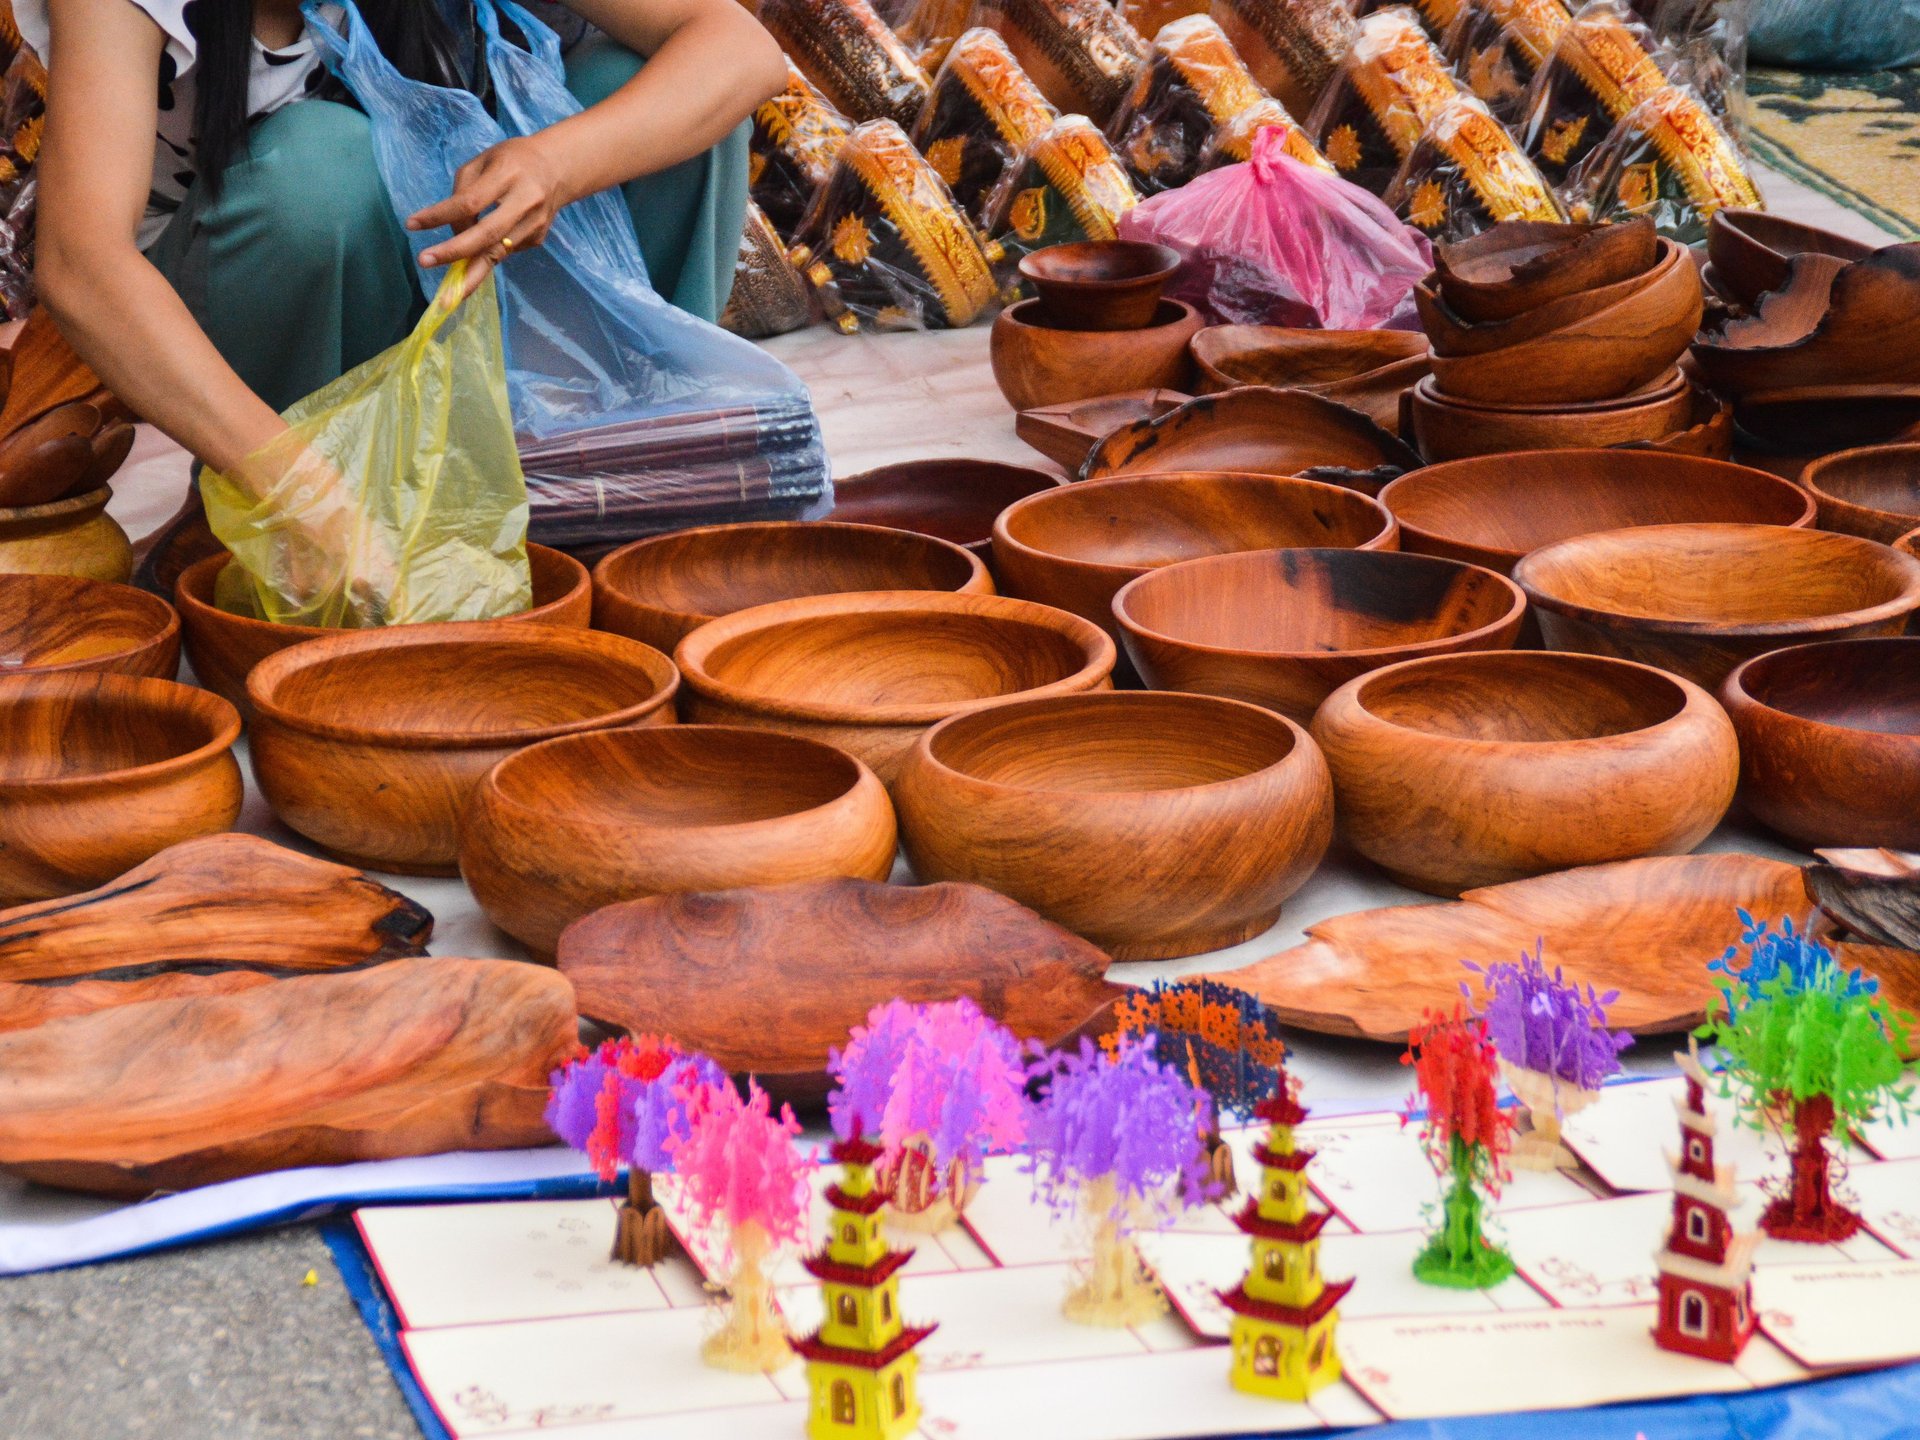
(1467, 1136)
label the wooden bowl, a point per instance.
(1100, 284)
(1368, 370)
(1457, 771)
(101, 772)
(1066, 434)
(370, 742)
(1154, 825)
(1873, 491)
(1830, 741)
(1708, 434)
(1611, 352)
(1699, 599)
(869, 672)
(1750, 250)
(62, 623)
(223, 647)
(661, 589)
(1036, 364)
(1448, 429)
(1909, 543)
(561, 828)
(1494, 509)
(1815, 420)
(1452, 335)
(1075, 547)
(74, 536)
(1285, 628)
(1517, 266)
(50, 456)
(952, 500)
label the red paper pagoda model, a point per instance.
(861, 1364)
(1284, 1310)
(1706, 1286)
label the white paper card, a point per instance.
(1831, 1315)
(1628, 1133)
(1378, 1178)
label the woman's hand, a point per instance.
(503, 200)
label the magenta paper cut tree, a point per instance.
(1118, 1141)
(939, 1088)
(740, 1169)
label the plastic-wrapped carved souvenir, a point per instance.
(1232, 143)
(1066, 186)
(845, 49)
(1081, 53)
(1498, 46)
(1391, 87)
(1437, 15)
(983, 113)
(1193, 82)
(928, 29)
(1466, 174)
(769, 296)
(1291, 46)
(796, 134)
(1150, 17)
(886, 247)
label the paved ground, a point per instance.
(220, 1342)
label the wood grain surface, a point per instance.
(1099, 284)
(1036, 364)
(1517, 266)
(1873, 491)
(50, 456)
(1368, 370)
(1874, 893)
(1448, 429)
(952, 500)
(1066, 434)
(22, 1006)
(63, 623)
(74, 536)
(1749, 249)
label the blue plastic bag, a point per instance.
(632, 416)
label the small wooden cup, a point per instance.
(1100, 284)
(62, 623)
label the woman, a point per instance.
(214, 238)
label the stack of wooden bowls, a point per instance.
(1549, 337)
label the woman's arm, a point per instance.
(710, 64)
(114, 307)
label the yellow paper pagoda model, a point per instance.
(1284, 1311)
(861, 1364)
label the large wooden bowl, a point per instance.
(1873, 491)
(1750, 250)
(1493, 509)
(1368, 370)
(561, 828)
(1463, 770)
(869, 672)
(223, 647)
(1154, 825)
(1035, 364)
(1075, 547)
(101, 772)
(661, 589)
(1285, 628)
(1520, 265)
(370, 742)
(1699, 599)
(1100, 284)
(1830, 741)
(1448, 429)
(952, 500)
(63, 623)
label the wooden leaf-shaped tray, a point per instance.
(1647, 928)
(766, 981)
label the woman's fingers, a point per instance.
(476, 187)
(477, 272)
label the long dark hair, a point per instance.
(415, 35)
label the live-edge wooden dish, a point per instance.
(661, 589)
(1366, 370)
(953, 500)
(1873, 491)
(1285, 628)
(52, 623)
(370, 742)
(1510, 269)
(1699, 599)
(100, 772)
(1456, 771)
(868, 672)
(1100, 284)
(74, 536)
(223, 647)
(564, 827)
(1075, 547)
(1154, 825)
(1036, 364)
(1830, 740)
(1066, 434)
(1750, 249)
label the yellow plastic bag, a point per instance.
(396, 495)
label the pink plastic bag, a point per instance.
(1276, 242)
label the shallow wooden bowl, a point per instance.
(1154, 825)
(1611, 352)
(1100, 284)
(1494, 509)
(1699, 599)
(1819, 419)
(1285, 628)
(1873, 491)
(1452, 335)
(223, 647)
(1518, 266)
(1075, 547)
(1448, 429)
(1456, 771)
(370, 742)
(101, 772)
(1750, 250)
(1065, 434)
(661, 589)
(1830, 741)
(50, 456)
(869, 672)
(561, 828)
(1368, 370)
(952, 500)
(52, 623)
(1036, 364)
